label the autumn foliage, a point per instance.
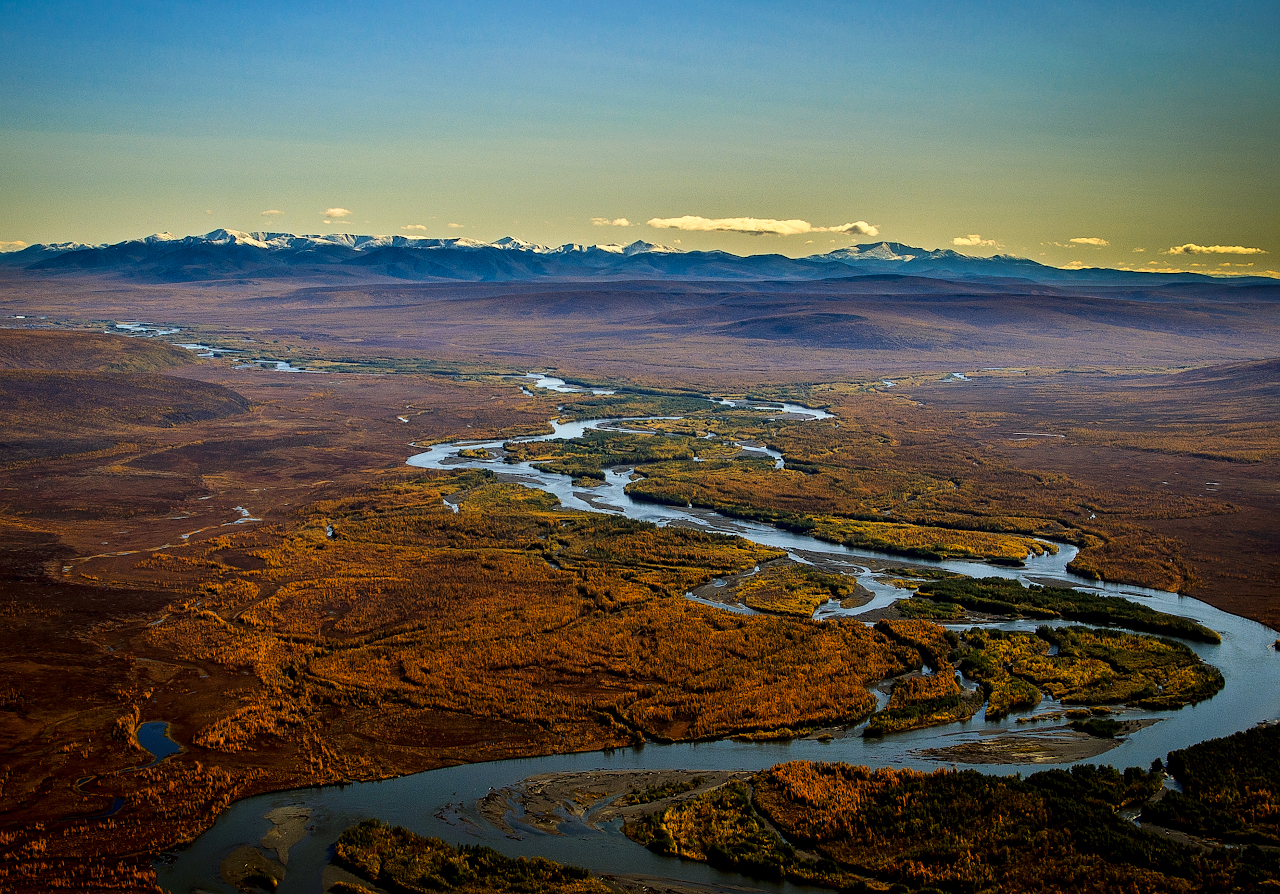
(969, 832)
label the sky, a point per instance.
(1097, 134)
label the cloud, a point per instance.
(1136, 250)
(208, 211)
(1091, 241)
(1192, 249)
(1212, 268)
(754, 226)
(973, 240)
(271, 212)
(454, 226)
(16, 245)
(616, 222)
(414, 227)
(336, 213)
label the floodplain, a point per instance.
(241, 552)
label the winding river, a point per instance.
(442, 802)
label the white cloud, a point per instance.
(16, 245)
(208, 211)
(1136, 250)
(454, 226)
(271, 212)
(1091, 241)
(857, 228)
(1212, 268)
(336, 213)
(1192, 249)
(754, 226)
(974, 240)
(616, 222)
(414, 227)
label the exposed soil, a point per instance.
(591, 797)
(1051, 745)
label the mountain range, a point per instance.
(231, 254)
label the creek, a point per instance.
(441, 803)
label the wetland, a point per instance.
(732, 584)
(578, 808)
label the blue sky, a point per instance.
(1147, 126)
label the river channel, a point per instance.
(442, 803)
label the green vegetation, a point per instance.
(590, 455)
(934, 644)
(943, 831)
(1091, 667)
(928, 609)
(1008, 597)
(808, 496)
(954, 831)
(627, 404)
(723, 829)
(924, 701)
(745, 488)
(1145, 671)
(1100, 727)
(1230, 789)
(402, 862)
(927, 542)
(921, 573)
(658, 792)
(793, 590)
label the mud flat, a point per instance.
(652, 884)
(247, 866)
(289, 826)
(548, 801)
(1054, 745)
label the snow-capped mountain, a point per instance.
(884, 251)
(232, 254)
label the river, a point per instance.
(441, 803)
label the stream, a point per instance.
(442, 803)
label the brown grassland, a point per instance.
(165, 556)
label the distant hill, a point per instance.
(66, 392)
(34, 349)
(234, 255)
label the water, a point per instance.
(441, 803)
(154, 737)
(560, 386)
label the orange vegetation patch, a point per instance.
(934, 643)
(909, 691)
(574, 623)
(966, 831)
